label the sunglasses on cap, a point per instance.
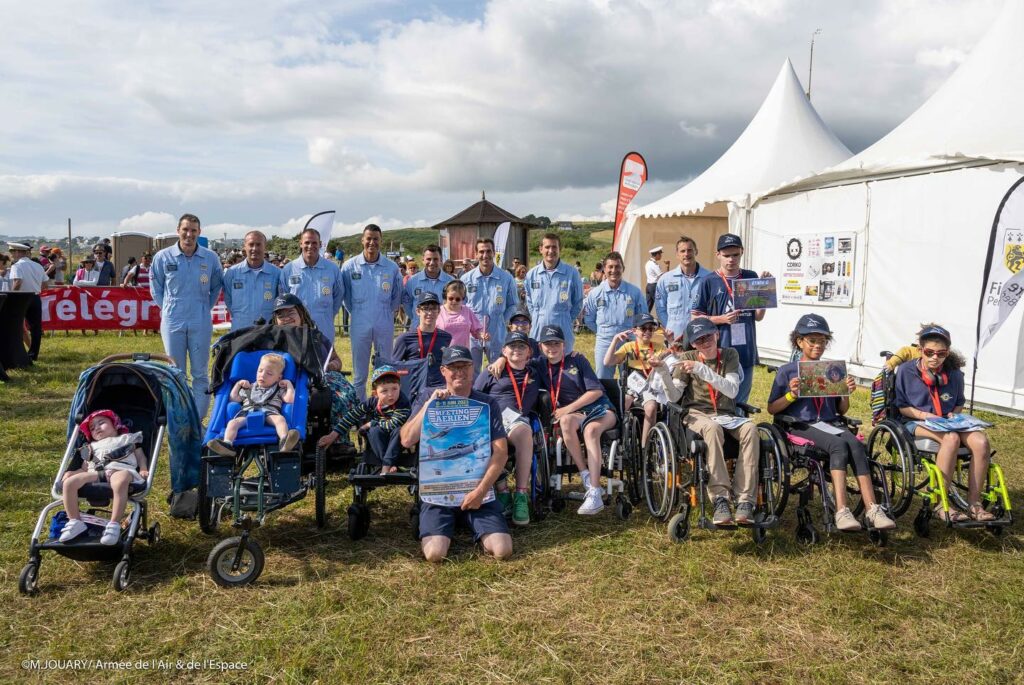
(941, 354)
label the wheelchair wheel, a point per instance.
(631, 458)
(358, 521)
(414, 521)
(774, 476)
(321, 488)
(207, 517)
(679, 525)
(540, 486)
(222, 558)
(806, 533)
(921, 521)
(889, 447)
(623, 507)
(659, 472)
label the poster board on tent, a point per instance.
(819, 269)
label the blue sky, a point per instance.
(124, 115)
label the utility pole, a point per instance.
(810, 66)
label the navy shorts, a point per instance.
(595, 410)
(489, 518)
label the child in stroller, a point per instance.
(112, 455)
(269, 394)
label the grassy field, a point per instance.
(590, 600)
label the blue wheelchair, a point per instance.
(259, 479)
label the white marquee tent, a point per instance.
(921, 203)
(785, 141)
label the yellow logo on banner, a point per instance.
(1013, 251)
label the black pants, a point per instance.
(842, 449)
(34, 318)
(651, 287)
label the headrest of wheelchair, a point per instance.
(244, 364)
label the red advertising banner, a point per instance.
(632, 175)
(73, 308)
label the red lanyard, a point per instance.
(646, 368)
(728, 288)
(933, 391)
(526, 379)
(556, 391)
(718, 370)
(419, 334)
(819, 402)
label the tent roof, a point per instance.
(785, 141)
(483, 212)
(974, 116)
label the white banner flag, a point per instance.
(322, 223)
(1004, 279)
(501, 241)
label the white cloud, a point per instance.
(149, 222)
(940, 57)
(707, 130)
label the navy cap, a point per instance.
(287, 300)
(935, 332)
(729, 240)
(455, 354)
(427, 297)
(383, 371)
(517, 338)
(521, 312)
(644, 319)
(812, 323)
(698, 328)
(551, 334)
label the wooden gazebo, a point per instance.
(480, 221)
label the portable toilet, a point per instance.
(128, 244)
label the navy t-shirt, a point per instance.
(501, 391)
(712, 298)
(497, 427)
(577, 377)
(911, 390)
(805, 408)
(407, 347)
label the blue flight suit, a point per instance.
(320, 287)
(186, 288)
(608, 311)
(421, 283)
(712, 296)
(496, 297)
(554, 298)
(373, 294)
(673, 297)
(249, 293)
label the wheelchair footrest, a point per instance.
(378, 480)
(994, 523)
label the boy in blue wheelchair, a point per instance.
(269, 395)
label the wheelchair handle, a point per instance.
(886, 354)
(137, 357)
(748, 408)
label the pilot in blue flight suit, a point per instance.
(316, 281)
(490, 292)
(610, 308)
(554, 292)
(251, 286)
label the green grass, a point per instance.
(582, 600)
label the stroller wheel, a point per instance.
(122, 575)
(28, 580)
(221, 561)
(154, 534)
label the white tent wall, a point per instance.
(921, 248)
(648, 232)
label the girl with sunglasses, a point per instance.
(932, 387)
(641, 355)
(458, 319)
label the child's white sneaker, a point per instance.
(72, 529)
(593, 503)
(111, 533)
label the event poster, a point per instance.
(455, 448)
(823, 378)
(754, 293)
(818, 269)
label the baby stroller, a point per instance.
(259, 479)
(138, 389)
(366, 475)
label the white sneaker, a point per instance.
(878, 519)
(111, 533)
(585, 476)
(593, 503)
(72, 529)
(846, 521)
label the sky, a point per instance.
(124, 115)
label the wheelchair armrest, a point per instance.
(748, 408)
(788, 421)
(850, 421)
(771, 369)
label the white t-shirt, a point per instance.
(653, 271)
(31, 274)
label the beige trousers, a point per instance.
(745, 486)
